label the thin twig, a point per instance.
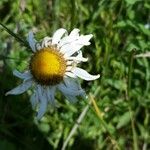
(73, 130)
(78, 122)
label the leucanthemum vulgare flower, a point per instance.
(52, 66)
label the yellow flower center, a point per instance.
(48, 66)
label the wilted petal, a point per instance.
(34, 99)
(84, 74)
(71, 99)
(73, 84)
(50, 95)
(32, 41)
(21, 88)
(25, 75)
(68, 91)
(42, 107)
(58, 35)
(40, 92)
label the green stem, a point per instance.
(25, 43)
(131, 58)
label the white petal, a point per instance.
(74, 32)
(38, 46)
(66, 40)
(84, 39)
(50, 95)
(32, 41)
(84, 74)
(68, 91)
(70, 74)
(25, 75)
(70, 49)
(46, 41)
(74, 35)
(58, 35)
(78, 58)
(21, 88)
(69, 62)
(42, 107)
(74, 46)
(69, 68)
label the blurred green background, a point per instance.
(120, 116)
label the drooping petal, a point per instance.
(32, 41)
(21, 88)
(24, 76)
(58, 35)
(40, 92)
(84, 74)
(50, 95)
(73, 84)
(42, 107)
(71, 99)
(34, 100)
(68, 91)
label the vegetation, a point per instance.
(116, 114)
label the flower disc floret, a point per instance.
(48, 66)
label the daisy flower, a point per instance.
(53, 66)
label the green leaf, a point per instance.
(123, 120)
(132, 2)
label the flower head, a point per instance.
(52, 66)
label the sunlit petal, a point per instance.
(58, 35)
(84, 74)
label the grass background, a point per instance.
(119, 116)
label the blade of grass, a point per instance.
(131, 61)
(99, 114)
(78, 122)
(131, 58)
